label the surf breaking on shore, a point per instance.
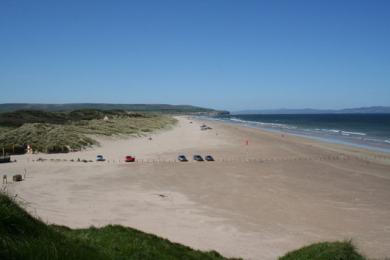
(375, 138)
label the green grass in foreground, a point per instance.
(25, 237)
(325, 251)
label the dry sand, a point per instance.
(257, 201)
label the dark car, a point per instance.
(129, 158)
(100, 158)
(198, 158)
(182, 158)
(209, 158)
(5, 159)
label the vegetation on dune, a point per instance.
(24, 237)
(4, 129)
(120, 125)
(44, 138)
(154, 108)
(64, 131)
(325, 251)
(126, 243)
(16, 119)
(20, 117)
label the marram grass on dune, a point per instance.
(63, 134)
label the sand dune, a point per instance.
(256, 201)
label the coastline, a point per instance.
(256, 201)
(375, 147)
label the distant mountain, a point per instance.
(367, 110)
(157, 108)
(360, 110)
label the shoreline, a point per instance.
(372, 146)
(329, 139)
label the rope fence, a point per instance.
(218, 160)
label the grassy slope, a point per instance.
(55, 131)
(325, 251)
(24, 237)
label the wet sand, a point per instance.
(256, 201)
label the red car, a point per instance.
(129, 158)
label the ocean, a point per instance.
(370, 131)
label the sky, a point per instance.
(221, 54)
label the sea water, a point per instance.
(364, 130)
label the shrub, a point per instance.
(325, 251)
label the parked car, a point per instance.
(129, 158)
(5, 159)
(100, 158)
(209, 158)
(198, 158)
(182, 158)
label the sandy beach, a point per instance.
(265, 194)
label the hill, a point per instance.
(155, 108)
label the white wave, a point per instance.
(263, 124)
(345, 133)
(239, 120)
(352, 133)
(331, 130)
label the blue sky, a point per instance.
(216, 53)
